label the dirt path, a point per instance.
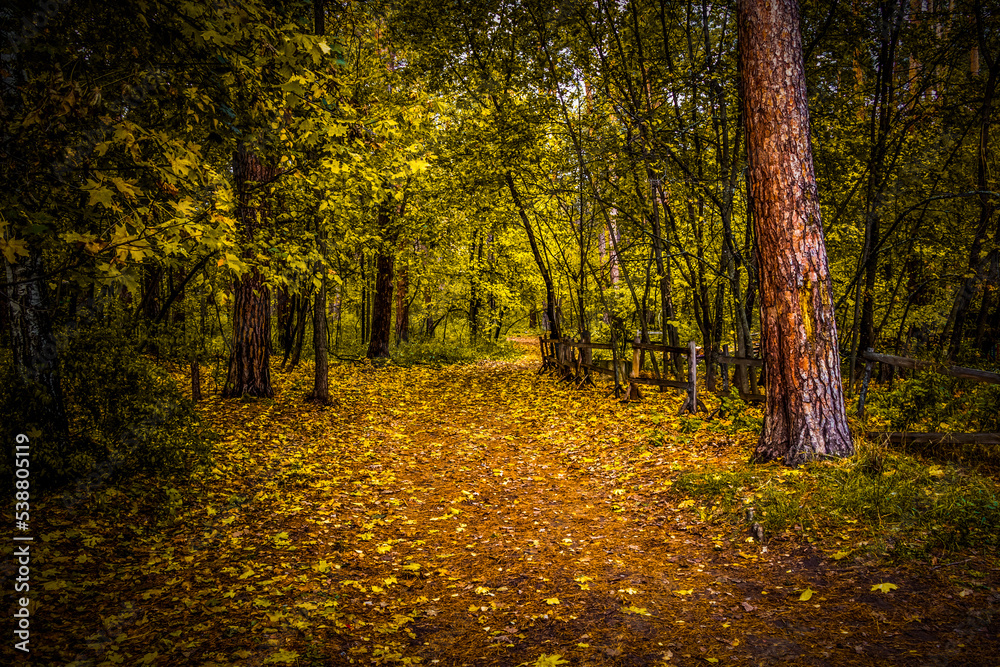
(515, 492)
(483, 515)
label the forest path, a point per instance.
(473, 515)
(543, 522)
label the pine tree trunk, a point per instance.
(805, 417)
(249, 371)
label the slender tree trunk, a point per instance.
(321, 376)
(33, 343)
(543, 269)
(381, 326)
(301, 314)
(805, 417)
(402, 306)
(475, 301)
(285, 312)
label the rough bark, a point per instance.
(321, 379)
(805, 417)
(249, 372)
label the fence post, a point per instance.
(691, 404)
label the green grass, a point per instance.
(881, 500)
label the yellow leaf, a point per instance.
(552, 601)
(282, 656)
(806, 595)
(685, 503)
(637, 610)
(679, 593)
(11, 248)
(841, 554)
(884, 587)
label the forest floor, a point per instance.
(475, 515)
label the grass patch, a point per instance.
(439, 353)
(881, 500)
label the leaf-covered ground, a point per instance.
(471, 515)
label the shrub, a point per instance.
(125, 413)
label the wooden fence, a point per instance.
(573, 360)
(917, 438)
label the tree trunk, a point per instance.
(475, 302)
(33, 343)
(804, 417)
(402, 306)
(286, 324)
(550, 292)
(321, 379)
(321, 382)
(381, 327)
(249, 372)
(302, 313)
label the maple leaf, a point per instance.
(13, 247)
(884, 587)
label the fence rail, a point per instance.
(573, 360)
(913, 437)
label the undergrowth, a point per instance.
(126, 415)
(882, 501)
(932, 402)
(438, 352)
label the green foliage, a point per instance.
(884, 501)
(933, 402)
(128, 409)
(738, 416)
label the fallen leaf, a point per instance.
(885, 588)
